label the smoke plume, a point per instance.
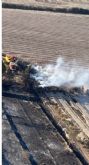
(62, 74)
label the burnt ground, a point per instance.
(30, 138)
(45, 126)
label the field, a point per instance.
(46, 125)
(42, 37)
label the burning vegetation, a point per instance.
(59, 76)
(59, 91)
(15, 72)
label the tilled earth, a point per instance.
(42, 37)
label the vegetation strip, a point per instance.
(75, 150)
(73, 10)
(61, 131)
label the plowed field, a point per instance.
(43, 36)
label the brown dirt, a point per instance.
(42, 37)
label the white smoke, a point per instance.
(62, 74)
